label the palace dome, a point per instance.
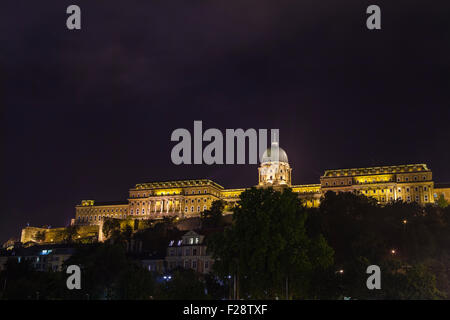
(267, 155)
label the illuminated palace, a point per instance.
(188, 198)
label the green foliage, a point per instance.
(213, 216)
(109, 274)
(135, 283)
(417, 283)
(111, 227)
(21, 282)
(217, 289)
(364, 233)
(70, 233)
(268, 243)
(156, 238)
(442, 202)
(184, 285)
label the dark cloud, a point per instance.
(88, 114)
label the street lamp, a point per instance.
(393, 251)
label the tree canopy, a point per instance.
(268, 245)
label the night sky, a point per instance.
(87, 114)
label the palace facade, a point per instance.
(188, 198)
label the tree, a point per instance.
(39, 236)
(213, 216)
(442, 202)
(103, 266)
(363, 232)
(416, 283)
(216, 288)
(267, 246)
(135, 283)
(70, 233)
(21, 282)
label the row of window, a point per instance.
(94, 218)
(408, 198)
(349, 182)
(187, 252)
(103, 210)
(190, 240)
(143, 195)
(187, 201)
(192, 209)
